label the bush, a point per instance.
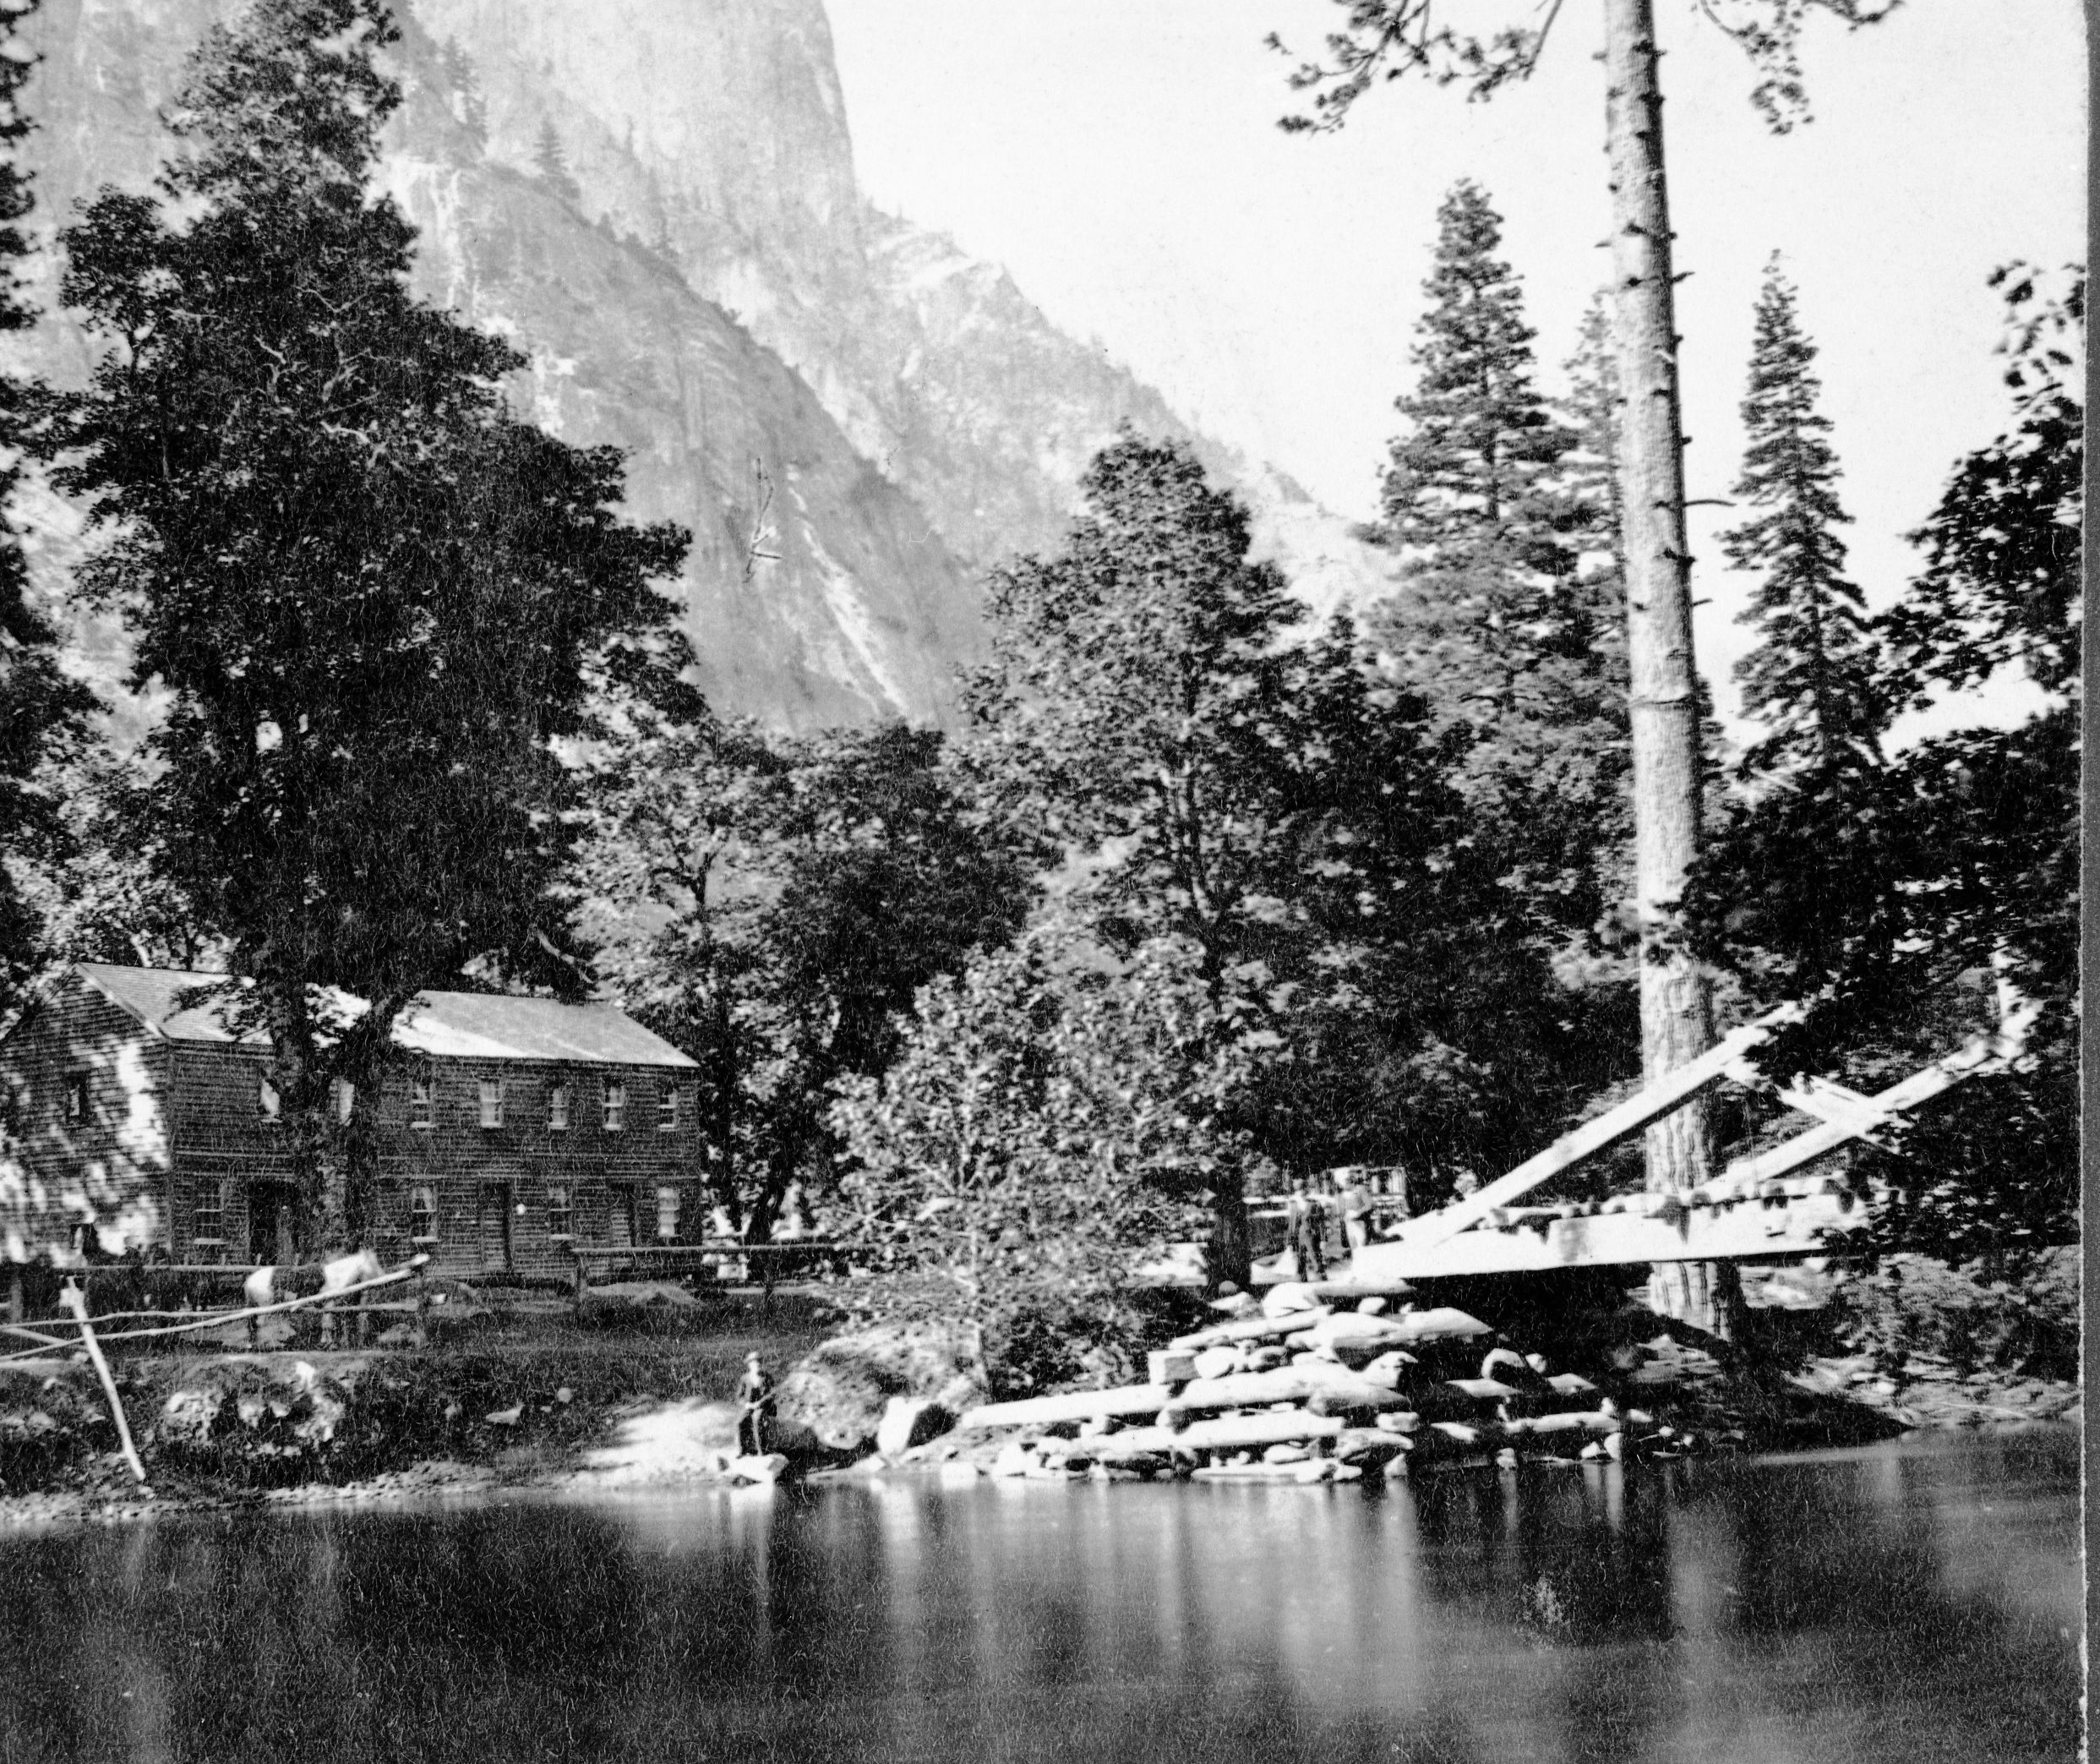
(1054, 1122)
(1912, 1304)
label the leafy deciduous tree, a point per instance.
(771, 906)
(1213, 775)
(376, 598)
(1050, 1125)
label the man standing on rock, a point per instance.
(754, 1391)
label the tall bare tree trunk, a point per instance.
(1675, 1011)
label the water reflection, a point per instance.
(1913, 1604)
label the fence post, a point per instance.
(15, 1294)
(72, 1298)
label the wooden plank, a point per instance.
(1638, 1113)
(1977, 1057)
(1746, 1230)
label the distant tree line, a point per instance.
(1198, 891)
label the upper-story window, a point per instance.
(492, 1102)
(667, 1109)
(419, 1106)
(77, 1096)
(267, 1103)
(558, 1108)
(615, 1105)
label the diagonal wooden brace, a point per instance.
(1977, 1057)
(1671, 1091)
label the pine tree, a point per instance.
(377, 599)
(1507, 615)
(41, 709)
(1392, 37)
(553, 162)
(1811, 676)
(1474, 480)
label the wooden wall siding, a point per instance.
(113, 1165)
(172, 1127)
(225, 1140)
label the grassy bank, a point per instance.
(517, 1389)
(514, 1392)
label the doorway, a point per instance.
(495, 1226)
(273, 1213)
(620, 1215)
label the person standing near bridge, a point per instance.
(1356, 1204)
(1305, 1226)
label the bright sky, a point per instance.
(1121, 158)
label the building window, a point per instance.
(422, 1213)
(342, 1096)
(419, 1113)
(667, 1213)
(558, 1108)
(667, 1109)
(209, 1223)
(492, 1102)
(615, 1106)
(268, 1104)
(561, 1219)
(77, 1096)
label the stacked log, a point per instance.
(1361, 1395)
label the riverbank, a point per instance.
(526, 1397)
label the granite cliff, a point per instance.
(656, 203)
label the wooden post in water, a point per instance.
(72, 1298)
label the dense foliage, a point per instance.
(1056, 1119)
(1508, 615)
(376, 598)
(42, 711)
(1214, 772)
(1900, 894)
(771, 905)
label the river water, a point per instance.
(1913, 1602)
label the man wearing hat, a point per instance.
(754, 1391)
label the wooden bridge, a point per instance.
(1762, 1205)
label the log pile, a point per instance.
(1324, 1395)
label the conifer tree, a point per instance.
(376, 598)
(1497, 619)
(553, 161)
(1811, 675)
(1389, 38)
(1474, 480)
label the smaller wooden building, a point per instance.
(134, 1117)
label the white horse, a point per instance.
(267, 1285)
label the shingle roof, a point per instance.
(458, 1026)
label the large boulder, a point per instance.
(907, 1421)
(841, 1392)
